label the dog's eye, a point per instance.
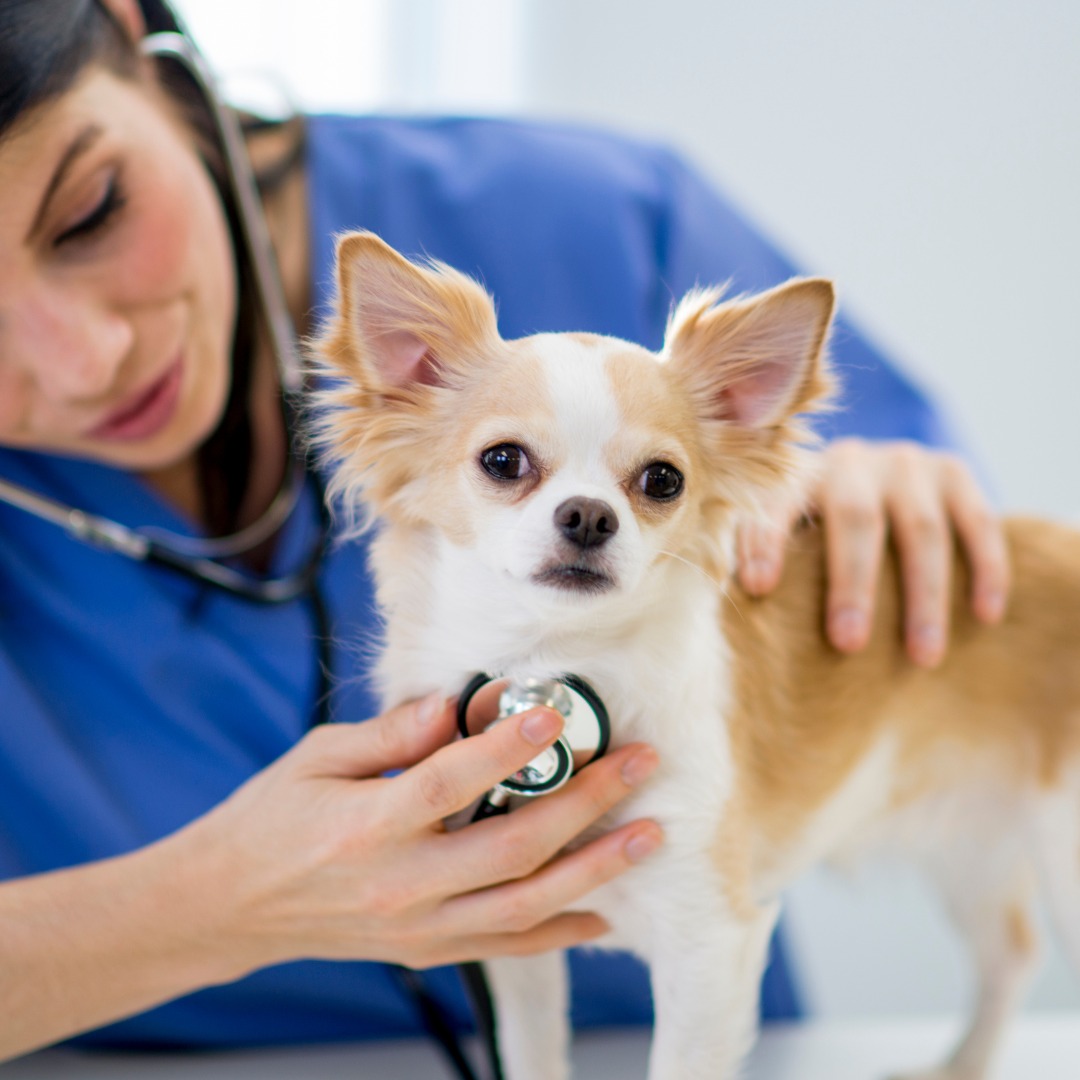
(505, 462)
(661, 481)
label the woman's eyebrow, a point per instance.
(75, 149)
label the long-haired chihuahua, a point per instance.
(567, 503)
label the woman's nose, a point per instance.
(72, 348)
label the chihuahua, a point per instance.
(567, 503)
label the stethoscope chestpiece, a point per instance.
(585, 735)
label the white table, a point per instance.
(1040, 1047)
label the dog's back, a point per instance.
(1005, 697)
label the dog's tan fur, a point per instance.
(806, 714)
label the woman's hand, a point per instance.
(322, 856)
(924, 499)
(319, 855)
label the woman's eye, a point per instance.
(505, 462)
(661, 481)
(111, 201)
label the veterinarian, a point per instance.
(184, 860)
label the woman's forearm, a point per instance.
(86, 946)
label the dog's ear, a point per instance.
(753, 362)
(402, 325)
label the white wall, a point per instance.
(349, 55)
(926, 154)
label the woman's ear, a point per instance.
(129, 16)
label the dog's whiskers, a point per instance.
(708, 577)
(693, 566)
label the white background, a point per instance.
(925, 154)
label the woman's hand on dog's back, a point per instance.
(926, 501)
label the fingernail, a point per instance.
(429, 708)
(639, 766)
(541, 726)
(757, 572)
(643, 843)
(992, 606)
(847, 627)
(928, 643)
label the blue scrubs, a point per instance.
(132, 700)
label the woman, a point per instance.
(168, 824)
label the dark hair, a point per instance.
(44, 46)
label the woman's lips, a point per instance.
(144, 413)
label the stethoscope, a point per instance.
(586, 733)
(585, 737)
(196, 557)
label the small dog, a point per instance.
(567, 503)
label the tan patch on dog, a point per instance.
(586, 339)
(731, 854)
(808, 714)
(1021, 932)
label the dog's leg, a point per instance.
(1058, 853)
(994, 914)
(706, 976)
(532, 1015)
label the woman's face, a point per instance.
(117, 285)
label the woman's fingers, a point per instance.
(983, 539)
(924, 542)
(457, 775)
(518, 906)
(501, 882)
(850, 503)
(524, 909)
(760, 554)
(925, 500)
(562, 931)
(515, 845)
(398, 738)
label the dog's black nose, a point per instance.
(586, 522)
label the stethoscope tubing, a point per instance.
(179, 46)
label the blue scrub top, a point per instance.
(132, 700)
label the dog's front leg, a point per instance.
(707, 965)
(532, 1015)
